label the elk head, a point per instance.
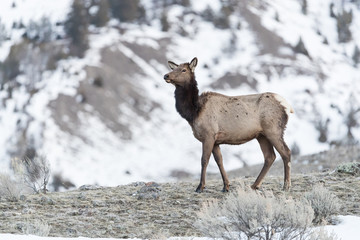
(182, 74)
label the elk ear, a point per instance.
(172, 65)
(193, 64)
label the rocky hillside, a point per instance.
(93, 99)
(151, 210)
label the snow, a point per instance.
(347, 229)
(32, 237)
(27, 10)
(165, 142)
(201, 5)
(328, 88)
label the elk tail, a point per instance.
(287, 107)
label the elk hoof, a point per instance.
(199, 189)
(226, 189)
(253, 187)
(286, 186)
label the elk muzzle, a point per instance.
(166, 77)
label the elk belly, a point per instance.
(234, 139)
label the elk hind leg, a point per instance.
(219, 161)
(269, 158)
(285, 154)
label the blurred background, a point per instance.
(81, 81)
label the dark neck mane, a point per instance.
(187, 101)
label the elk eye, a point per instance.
(184, 70)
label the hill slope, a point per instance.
(148, 210)
(109, 117)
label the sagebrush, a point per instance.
(251, 215)
(324, 203)
(352, 168)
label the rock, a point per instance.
(20, 226)
(97, 203)
(82, 196)
(46, 201)
(151, 190)
(89, 187)
(71, 231)
(22, 197)
(136, 184)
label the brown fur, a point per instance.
(218, 119)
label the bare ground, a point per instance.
(150, 210)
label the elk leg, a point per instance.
(269, 158)
(218, 158)
(207, 147)
(285, 154)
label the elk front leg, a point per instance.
(207, 147)
(218, 158)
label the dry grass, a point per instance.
(119, 212)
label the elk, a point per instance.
(219, 119)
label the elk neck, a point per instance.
(187, 101)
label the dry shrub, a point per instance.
(27, 174)
(324, 203)
(352, 168)
(36, 227)
(35, 172)
(9, 188)
(322, 234)
(251, 215)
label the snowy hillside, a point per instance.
(109, 117)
